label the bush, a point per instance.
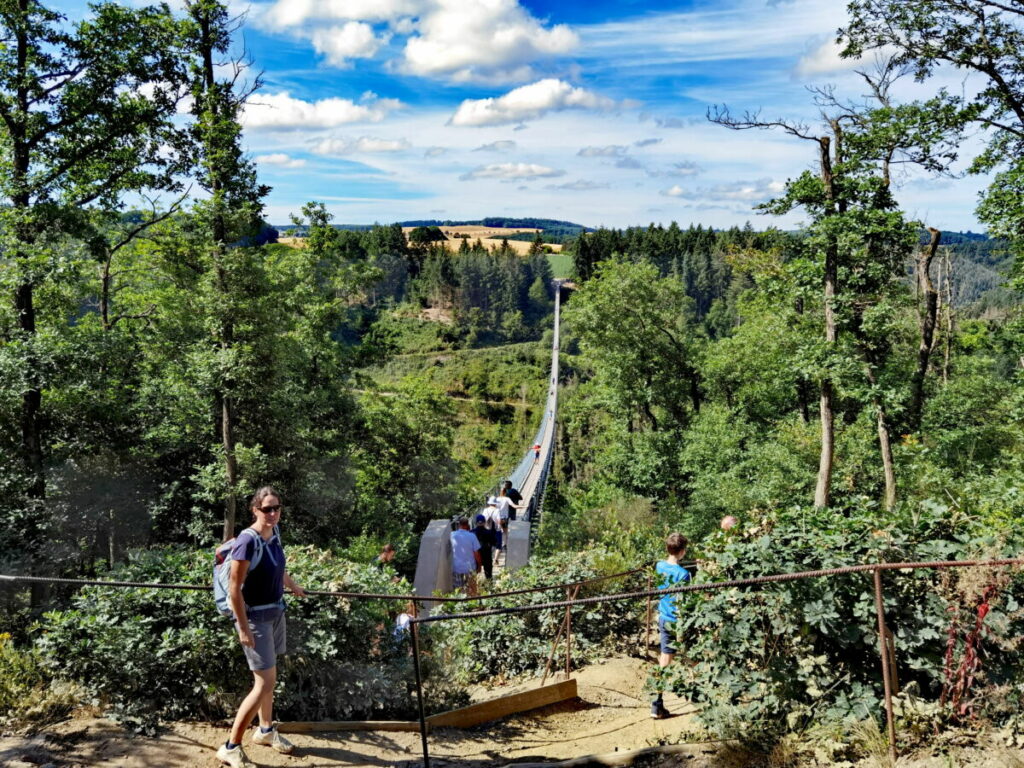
(475, 650)
(147, 655)
(777, 658)
(27, 694)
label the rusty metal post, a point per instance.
(419, 691)
(568, 634)
(647, 626)
(886, 679)
(551, 656)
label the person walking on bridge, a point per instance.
(514, 496)
(487, 538)
(466, 560)
(506, 511)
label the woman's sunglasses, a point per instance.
(268, 510)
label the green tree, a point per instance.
(230, 218)
(84, 110)
(981, 37)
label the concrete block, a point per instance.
(434, 564)
(518, 552)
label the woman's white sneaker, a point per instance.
(272, 739)
(236, 757)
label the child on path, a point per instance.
(671, 573)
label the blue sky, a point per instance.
(591, 111)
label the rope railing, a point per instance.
(716, 585)
(875, 569)
(14, 578)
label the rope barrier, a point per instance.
(715, 585)
(315, 592)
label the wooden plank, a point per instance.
(495, 709)
(350, 725)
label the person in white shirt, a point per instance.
(466, 562)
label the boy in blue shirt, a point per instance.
(672, 574)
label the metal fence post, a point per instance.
(419, 691)
(568, 634)
(647, 626)
(884, 650)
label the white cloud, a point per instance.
(497, 146)
(581, 185)
(510, 171)
(434, 151)
(685, 168)
(493, 40)
(460, 40)
(281, 160)
(528, 102)
(825, 60)
(283, 112)
(353, 40)
(630, 163)
(362, 145)
(612, 150)
(646, 142)
(293, 13)
(737, 191)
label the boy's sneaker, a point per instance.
(658, 711)
(272, 739)
(236, 757)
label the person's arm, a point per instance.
(293, 586)
(479, 560)
(239, 568)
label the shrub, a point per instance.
(475, 650)
(156, 654)
(779, 657)
(28, 696)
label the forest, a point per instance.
(850, 391)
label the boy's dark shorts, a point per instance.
(666, 629)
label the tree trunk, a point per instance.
(225, 415)
(826, 459)
(928, 320)
(882, 425)
(231, 465)
(803, 395)
(948, 341)
(885, 446)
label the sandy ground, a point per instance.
(611, 715)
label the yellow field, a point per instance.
(489, 236)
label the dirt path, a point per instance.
(611, 714)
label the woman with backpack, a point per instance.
(256, 597)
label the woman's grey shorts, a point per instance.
(271, 640)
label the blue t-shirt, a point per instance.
(264, 584)
(464, 544)
(670, 576)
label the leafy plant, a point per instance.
(779, 657)
(150, 655)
